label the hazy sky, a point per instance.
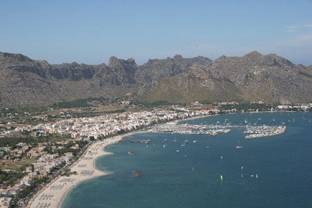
(91, 31)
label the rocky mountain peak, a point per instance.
(11, 57)
(178, 56)
(131, 61)
(253, 57)
(254, 54)
(124, 69)
(275, 60)
(201, 60)
(221, 58)
(115, 62)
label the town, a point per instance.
(58, 144)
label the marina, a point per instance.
(263, 131)
(251, 131)
(174, 128)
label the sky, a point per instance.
(91, 31)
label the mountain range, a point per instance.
(253, 77)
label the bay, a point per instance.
(182, 170)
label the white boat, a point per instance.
(239, 147)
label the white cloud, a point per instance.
(297, 28)
(291, 28)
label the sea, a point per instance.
(202, 171)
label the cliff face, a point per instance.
(253, 77)
(24, 81)
(265, 77)
(156, 69)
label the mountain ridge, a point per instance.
(252, 77)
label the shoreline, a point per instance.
(54, 193)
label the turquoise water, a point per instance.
(191, 176)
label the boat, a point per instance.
(239, 147)
(130, 153)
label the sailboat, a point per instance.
(221, 178)
(239, 146)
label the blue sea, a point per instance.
(185, 171)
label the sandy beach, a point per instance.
(53, 194)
